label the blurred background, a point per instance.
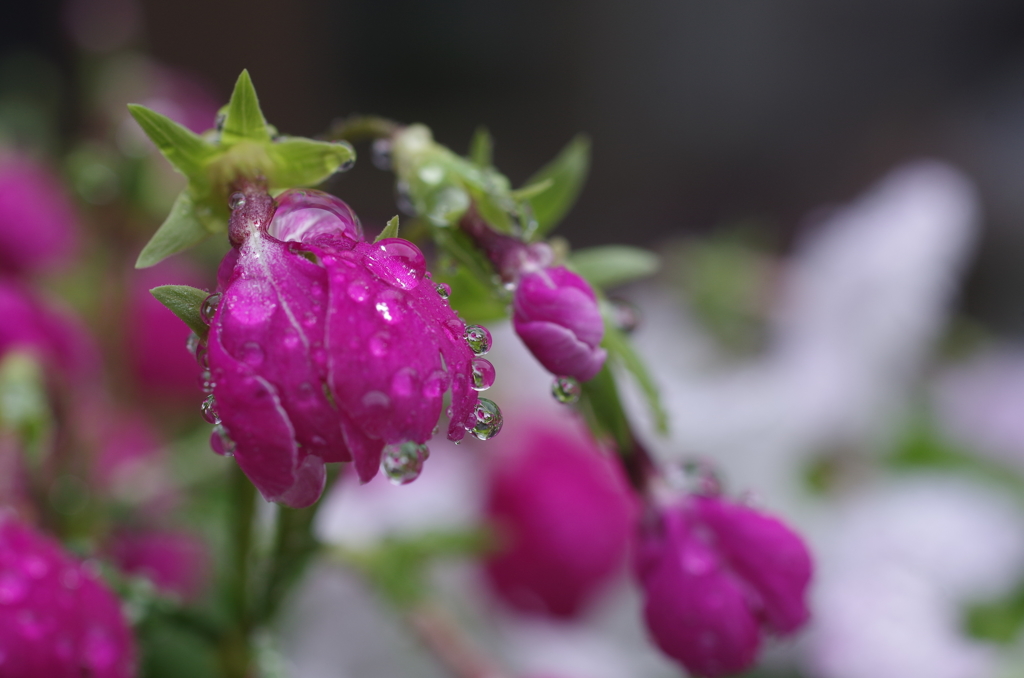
(704, 115)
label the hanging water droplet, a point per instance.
(209, 307)
(219, 121)
(192, 343)
(696, 476)
(483, 374)
(381, 154)
(487, 420)
(209, 410)
(347, 165)
(203, 357)
(221, 442)
(236, 201)
(478, 338)
(443, 290)
(403, 463)
(625, 315)
(206, 382)
(399, 263)
(566, 390)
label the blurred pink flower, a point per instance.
(38, 227)
(59, 620)
(564, 514)
(176, 562)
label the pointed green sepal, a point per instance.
(611, 265)
(296, 161)
(182, 147)
(532, 190)
(244, 119)
(185, 302)
(567, 172)
(180, 231)
(481, 148)
(389, 231)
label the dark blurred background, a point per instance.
(704, 115)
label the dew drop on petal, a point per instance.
(251, 353)
(209, 410)
(487, 420)
(202, 357)
(399, 263)
(379, 344)
(483, 374)
(192, 343)
(625, 315)
(389, 306)
(358, 291)
(403, 382)
(436, 384)
(221, 441)
(566, 390)
(236, 201)
(209, 307)
(478, 338)
(206, 382)
(403, 463)
(443, 290)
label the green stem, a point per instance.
(294, 546)
(235, 651)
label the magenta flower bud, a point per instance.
(557, 317)
(57, 619)
(564, 514)
(325, 348)
(38, 229)
(56, 339)
(178, 563)
(715, 575)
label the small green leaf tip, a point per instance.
(481, 149)
(567, 172)
(389, 231)
(612, 265)
(182, 147)
(185, 302)
(244, 120)
(180, 231)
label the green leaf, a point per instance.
(180, 231)
(527, 192)
(475, 301)
(185, 302)
(612, 265)
(619, 347)
(602, 408)
(481, 149)
(304, 162)
(389, 231)
(568, 172)
(244, 119)
(182, 147)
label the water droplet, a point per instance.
(221, 442)
(398, 262)
(206, 382)
(347, 165)
(697, 476)
(376, 399)
(358, 291)
(566, 390)
(483, 374)
(403, 382)
(454, 328)
(381, 154)
(443, 290)
(12, 588)
(192, 344)
(435, 384)
(403, 463)
(478, 338)
(487, 420)
(389, 305)
(209, 410)
(236, 201)
(203, 357)
(251, 353)
(625, 315)
(219, 122)
(209, 307)
(379, 344)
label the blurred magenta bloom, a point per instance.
(715, 575)
(58, 619)
(177, 562)
(326, 348)
(156, 339)
(557, 317)
(565, 513)
(38, 228)
(56, 339)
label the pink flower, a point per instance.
(57, 619)
(156, 339)
(326, 348)
(176, 562)
(38, 229)
(717, 574)
(557, 317)
(565, 514)
(57, 340)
